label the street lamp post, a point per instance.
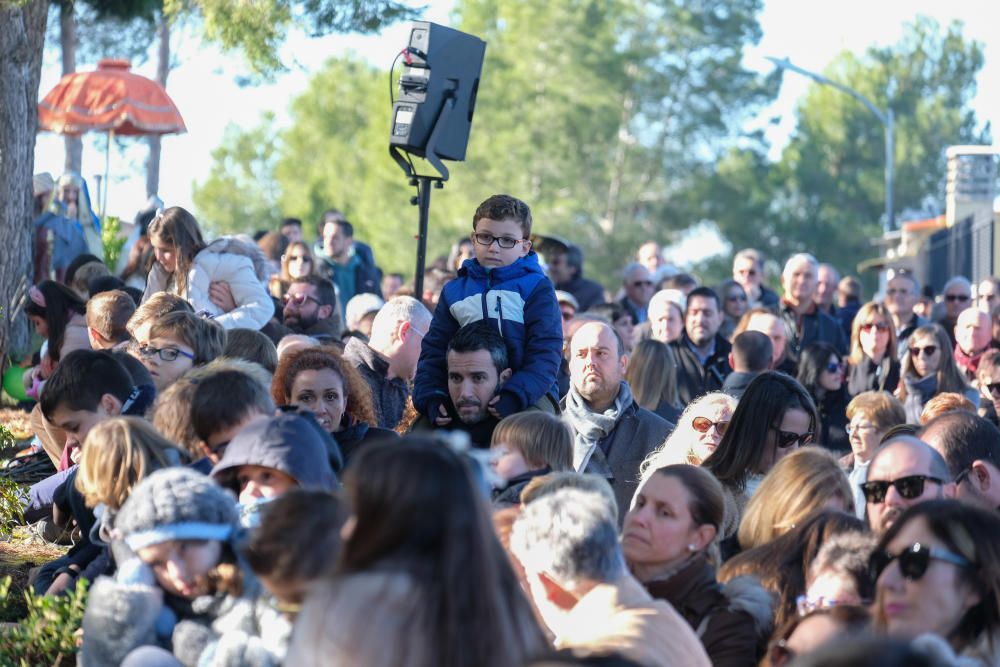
(885, 117)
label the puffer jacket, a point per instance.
(521, 302)
(241, 265)
(733, 621)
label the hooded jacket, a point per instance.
(520, 300)
(286, 443)
(228, 260)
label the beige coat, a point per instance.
(622, 617)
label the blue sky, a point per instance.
(808, 32)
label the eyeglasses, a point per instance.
(909, 487)
(505, 242)
(928, 351)
(868, 326)
(851, 428)
(165, 353)
(957, 297)
(642, 283)
(893, 291)
(704, 424)
(736, 297)
(788, 439)
(300, 299)
(299, 258)
(914, 560)
(834, 367)
(960, 477)
(746, 272)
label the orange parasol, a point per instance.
(110, 99)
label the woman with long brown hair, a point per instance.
(928, 370)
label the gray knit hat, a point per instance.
(176, 504)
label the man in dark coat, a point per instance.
(388, 361)
(752, 355)
(565, 269)
(611, 433)
(702, 354)
(805, 322)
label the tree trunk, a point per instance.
(162, 70)
(68, 42)
(22, 36)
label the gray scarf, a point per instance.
(591, 427)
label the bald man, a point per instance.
(973, 336)
(905, 471)
(612, 434)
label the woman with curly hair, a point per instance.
(319, 380)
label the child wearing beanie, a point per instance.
(185, 598)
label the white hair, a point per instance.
(400, 309)
(957, 280)
(572, 536)
(665, 296)
(797, 258)
(359, 306)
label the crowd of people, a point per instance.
(267, 452)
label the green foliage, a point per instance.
(48, 634)
(597, 114)
(111, 237)
(826, 193)
(11, 502)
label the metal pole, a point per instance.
(424, 205)
(890, 161)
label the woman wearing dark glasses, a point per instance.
(821, 372)
(872, 364)
(937, 572)
(297, 262)
(928, 370)
(698, 432)
(775, 415)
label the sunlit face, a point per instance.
(773, 328)
(165, 373)
(795, 420)
(335, 242)
(77, 423)
(957, 298)
(302, 307)
(973, 331)
(322, 393)
(493, 256)
(472, 382)
(508, 461)
(596, 368)
(747, 273)
(987, 297)
(649, 255)
(639, 286)
(901, 296)
(181, 567)
(702, 320)
(826, 285)
(799, 281)
(262, 482)
(935, 603)
(873, 336)
(864, 436)
(300, 263)
(165, 253)
(831, 377)
(666, 322)
(705, 442)
(925, 353)
(895, 461)
(658, 528)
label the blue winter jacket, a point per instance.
(521, 301)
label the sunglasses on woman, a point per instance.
(880, 326)
(834, 367)
(914, 560)
(909, 487)
(927, 351)
(704, 424)
(788, 439)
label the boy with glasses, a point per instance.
(177, 343)
(505, 286)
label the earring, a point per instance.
(690, 547)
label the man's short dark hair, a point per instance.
(964, 438)
(326, 293)
(481, 336)
(752, 352)
(680, 281)
(704, 293)
(504, 207)
(574, 258)
(286, 222)
(346, 228)
(81, 378)
(224, 398)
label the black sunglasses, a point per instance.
(957, 297)
(908, 487)
(927, 351)
(914, 561)
(788, 438)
